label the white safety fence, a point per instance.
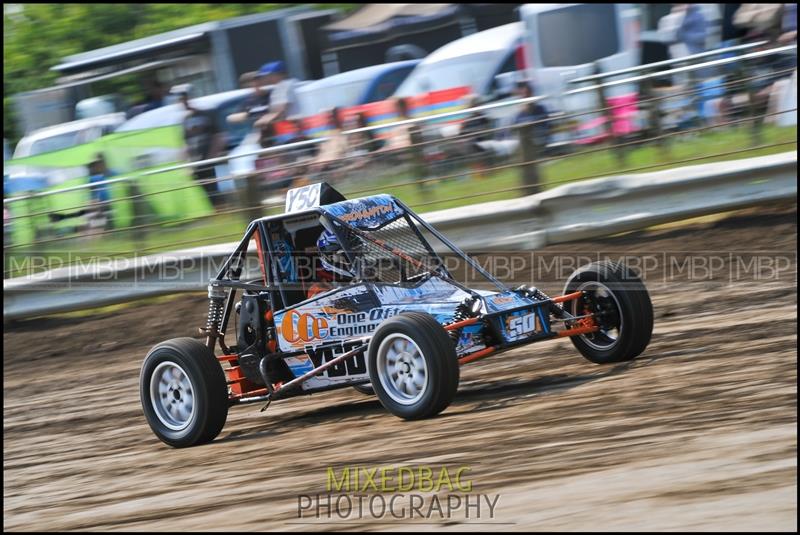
(570, 212)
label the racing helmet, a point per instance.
(332, 257)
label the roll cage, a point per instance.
(283, 294)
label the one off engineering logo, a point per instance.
(299, 328)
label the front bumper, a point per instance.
(525, 324)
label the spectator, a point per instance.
(247, 79)
(99, 172)
(283, 98)
(684, 30)
(788, 24)
(101, 193)
(776, 23)
(334, 147)
(533, 112)
(783, 101)
(668, 27)
(788, 35)
(760, 21)
(202, 141)
(297, 158)
(334, 159)
(279, 168)
(730, 33)
(367, 141)
(476, 123)
(156, 98)
(256, 104)
(473, 145)
(401, 136)
(692, 30)
(99, 209)
(363, 144)
(298, 136)
(267, 137)
(402, 140)
(780, 91)
(269, 164)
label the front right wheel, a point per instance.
(413, 366)
(622, 308)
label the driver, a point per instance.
(333, 266)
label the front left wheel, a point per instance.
(413, 366)
(183, 392)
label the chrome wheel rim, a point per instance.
(172, 396)
(604, 339)
(402, 369)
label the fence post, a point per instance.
(140, 212)
(530, 153)
(248, 195)
(755, 125)
(654, 125)
(752, 110)
(417, 156)
(609, 115)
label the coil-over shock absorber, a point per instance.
(461, 313)
(470, 307)
(216, 306)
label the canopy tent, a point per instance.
(386, 21)
(378, 33)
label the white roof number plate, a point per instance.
(299, 199)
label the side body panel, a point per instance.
(333, 323)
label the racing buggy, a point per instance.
(393, 319)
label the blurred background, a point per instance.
(131, 129)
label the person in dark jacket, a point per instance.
(202, 139)
(256, 104)
(533, 112)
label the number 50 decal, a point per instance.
(299, 199)
(521, 325)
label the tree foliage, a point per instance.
(37, 37)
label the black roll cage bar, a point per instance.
(231, 270)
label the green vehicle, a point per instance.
(59, 163)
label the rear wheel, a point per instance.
(183, 392)
(623, 308)
(413, 366)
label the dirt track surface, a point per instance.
(700, 432)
